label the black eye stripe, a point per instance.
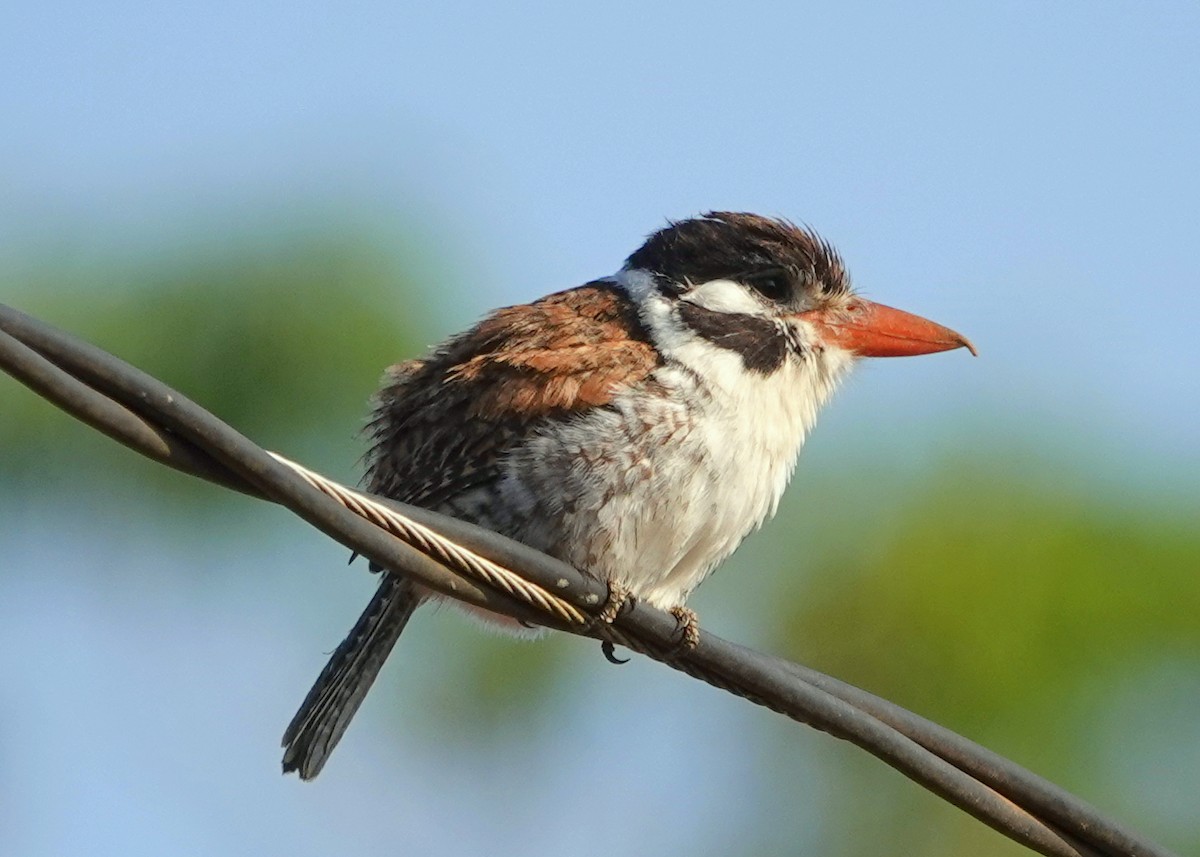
(758, 341)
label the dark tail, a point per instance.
(342, 685)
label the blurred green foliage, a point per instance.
(1010, 608)
(1089, 582)
(285, 339)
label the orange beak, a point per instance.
(874, 330)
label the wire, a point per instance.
(488, 570)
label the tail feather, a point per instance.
(342, 685)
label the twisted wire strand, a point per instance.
(465, 561)
(454, 556)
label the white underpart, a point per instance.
(659, 489)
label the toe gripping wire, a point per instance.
(487, 570)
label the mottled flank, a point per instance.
(739, 246)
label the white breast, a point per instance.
(736, 461)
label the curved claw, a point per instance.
(609, 651)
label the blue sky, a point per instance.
(1024, 172)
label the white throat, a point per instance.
(785, 403)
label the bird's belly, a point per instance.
(653, 496)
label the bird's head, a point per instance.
(771, 293)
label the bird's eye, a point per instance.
(774, 284)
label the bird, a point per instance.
(637, 427)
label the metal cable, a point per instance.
(480, 567)
(443, 550)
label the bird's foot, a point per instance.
(687, 624)
(619, 600)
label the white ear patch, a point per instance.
(726, 296)
(718, 295)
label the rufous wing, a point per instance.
(442, 423)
